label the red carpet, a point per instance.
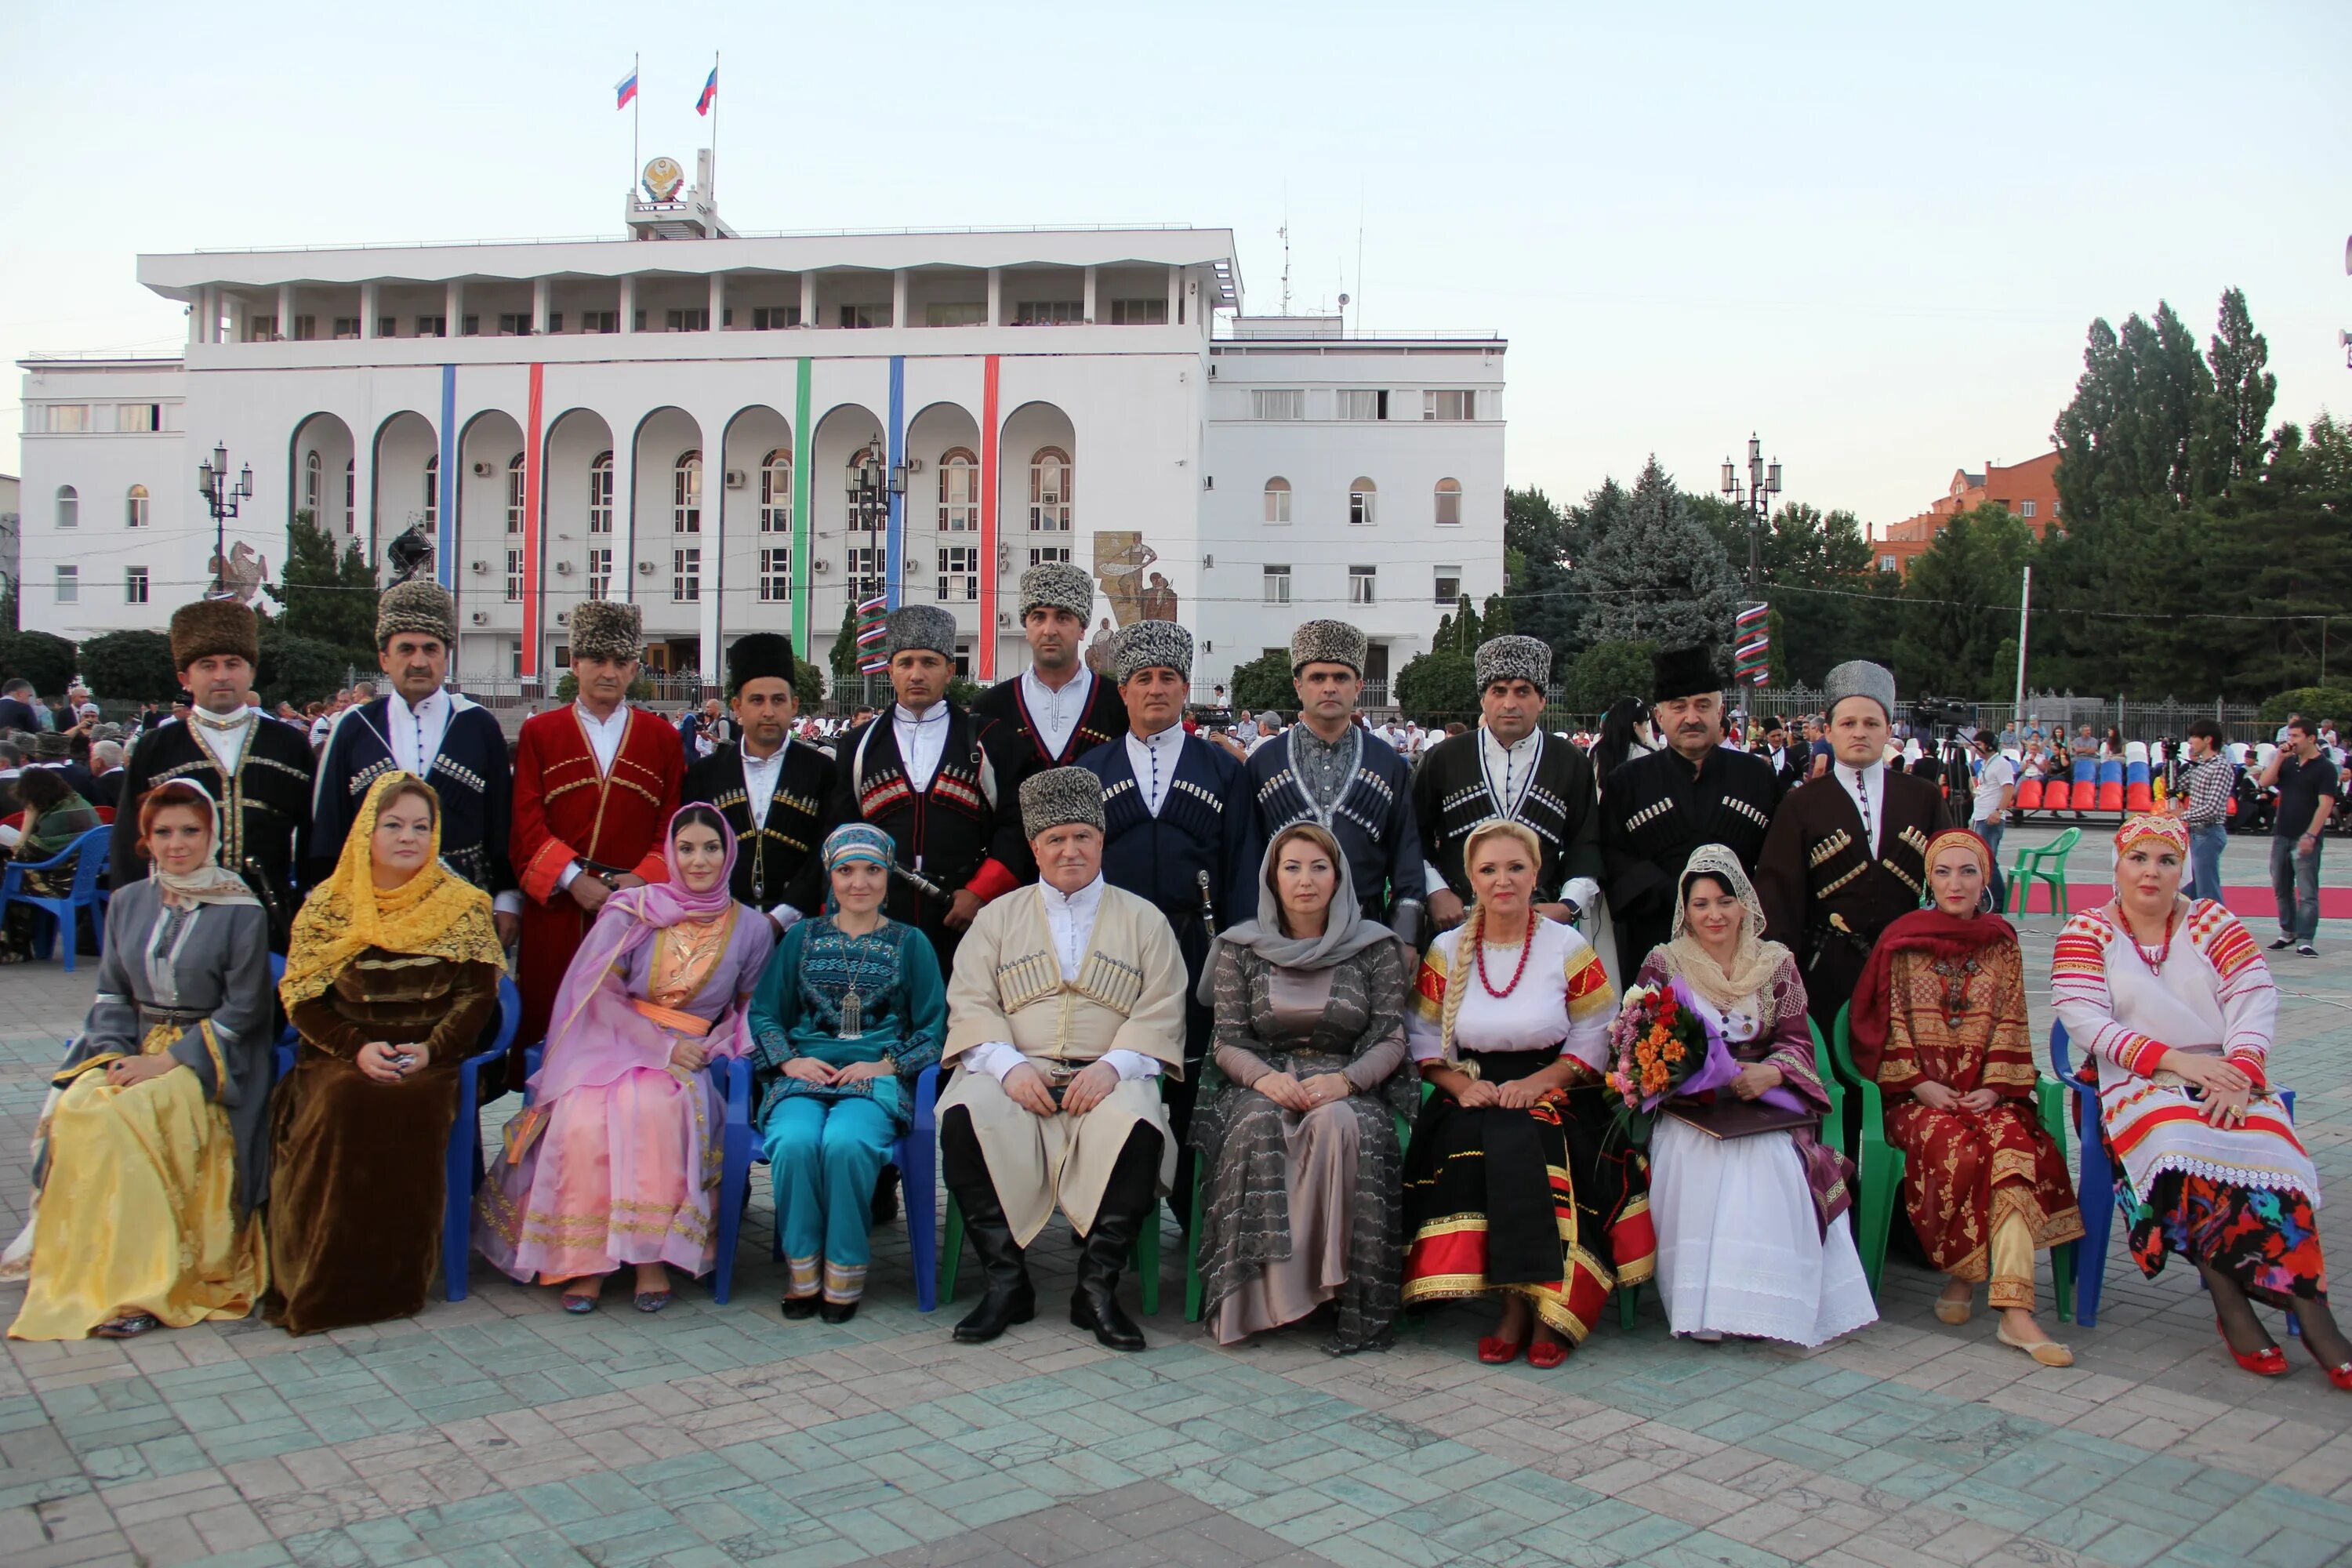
(2246, 901)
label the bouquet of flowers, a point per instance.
(1662, 1047)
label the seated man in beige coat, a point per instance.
(1065, 1005)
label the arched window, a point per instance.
(514, 494)
(311, 486)
(134, 507)
(69, 506)
(686, 493)
(1360, 502)
(1050, 481)
(1449, 501)
(1277, 500)
(776, 491)
(958, 492)
(599, 494)
(433, 492)
(350, 495)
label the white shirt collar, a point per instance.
(605, 735)
(902, 714)
(1055, 713)
(1083, 899)
(1071, 917)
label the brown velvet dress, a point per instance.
(357, 1186)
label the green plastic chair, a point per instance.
(2050, 1097)
(1147, 1256)
(2047, 864)
(1878, 1179)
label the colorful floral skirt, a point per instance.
(2266, 1242)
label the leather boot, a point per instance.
(1010, 1299)
(1130, 1201)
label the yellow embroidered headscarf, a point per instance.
(436, 912)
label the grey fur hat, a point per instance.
(1057, 797)
(1514, 659)
(419, 606)
(607, 628)
(1326, 642)
(1057, 584)
(1151, 645)
(923, 627)
(1859, 677)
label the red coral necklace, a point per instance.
(1527, 946)
(2156, 964)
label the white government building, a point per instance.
(680, 417)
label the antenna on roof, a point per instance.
(1285, 232)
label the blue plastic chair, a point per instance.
(88, 856)
(915, 1153)
(2098, 1177)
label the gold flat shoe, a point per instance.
(1954, 1313)
(2045, 1354)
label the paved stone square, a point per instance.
(498, 1431)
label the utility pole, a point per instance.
(2024, 611)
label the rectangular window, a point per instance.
(56, 418)
(514, 659)
(432, 326)
(1886, 564)
(471, 326)
(387, 326)
(1449, 405)
(1449, 584)
(1360, 506)
(260, 328)
(138, 418)
(134, 584)
(347, 327)
(1277, 501)
(562, 655)
(555, 321)
(1140, 313)
(686, 575)
(305, 328)
(955, 312)
(1277, 585)
(638, 321)
(775, 576)
(858, 316)
(514, 576)
(958, 574)
(2028, 511)
(1049, 312)
(68, 585)
(600, 573)
(1360, 585)
(690, 321)
(600, 320)
(514, 323)
(1356, 404)
(1268, 402)
(774, 318)
(865, 571)
(1044, 552)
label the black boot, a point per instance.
(1130, 1201)
(885, 1195)
(1010, 1299)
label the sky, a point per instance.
(1874, 235)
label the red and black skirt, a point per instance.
(1548, 1202)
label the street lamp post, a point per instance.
(871, 483)
(222, 495)
(1754, 495)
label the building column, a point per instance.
(285, 312)
(543, 290)
(996, 296)
(1090, 312)
(899, 298)
(808, 299)
(453, 308)
(719, 301)
(371, 308)
(714, 539)
(197, 313)
(628, 304)
(1175, 294)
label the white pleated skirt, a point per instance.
(1739, 1251)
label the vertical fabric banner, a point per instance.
(987, 525)
(534, 523)
(444, 541)
(803, 566)
(894, 538)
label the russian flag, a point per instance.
(627, 88)
(709, 93)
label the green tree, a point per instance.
(297, 670)
(329, 596)
(2140, 424)
(1605, 672)
(1265, 682)
(1541, 547)
(1659, 576)
(1459, 632)
(1439, 686)
(844, 656)
(1497, 621)
(2280, 549)
(1960, 604)
(130, 666)
(2238, 422)
(808, 685)
(45, 660)
(2313, 703)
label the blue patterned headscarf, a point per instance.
(849, 844)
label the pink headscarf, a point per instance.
(593, 1035)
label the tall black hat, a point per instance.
(756, 657)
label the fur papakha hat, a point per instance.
(923, 627)
(420, 606)
(1151, 645)
(608, 629)
(756, 657)
(1859, 677)
(214, 625)
(1514, 659)
(1057, 797)
(1326, 642)
(1682, 672)
(1059, 585)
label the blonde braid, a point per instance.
(1458, 982)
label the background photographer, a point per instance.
(1996, 793)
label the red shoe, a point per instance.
(1545, 1354)
(2341, 1376)
(1497, 1351)
(2268, 1361)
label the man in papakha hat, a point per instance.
(772, 788)
(1848, 851)
(595, 784)
(259, 772)
(1066, 1001)
(942, 782)
(444, 738)
(1509, 767)
(1330, 770)
(1656, 809)
(1058, 707)
(1176, 810)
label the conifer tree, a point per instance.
(1658, 575)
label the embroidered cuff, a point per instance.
(549, 870)
(2147, 1056)
(2250, 1065)
(992, 882)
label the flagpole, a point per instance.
(712, 193)
(636, 118)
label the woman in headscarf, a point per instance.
(848, 1013)
(1753, 1237)
(1516, 1185)
(2173, 1002)
(392, 969)
(151, 1152)
(616, 1161)
(55, 816)
(1299, 1163)
(1939, 1022)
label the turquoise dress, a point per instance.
(841, 999)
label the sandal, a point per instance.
(127, 1326)
(1546, 1354)
(652, 1301)
(1954, 1309)
(1497, 1351)
(2045, 1353)
(579, 1305)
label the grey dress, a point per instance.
(1297, 1210)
